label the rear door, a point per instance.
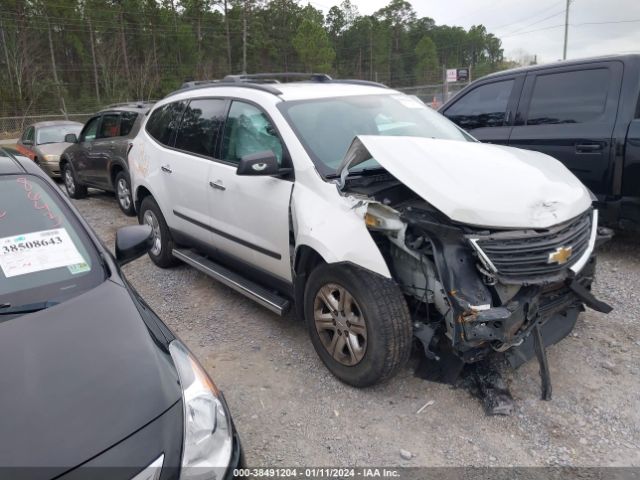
(103, 148)
(26, 143)
(486, 111)
(569, 113)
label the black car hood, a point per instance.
(77, 378)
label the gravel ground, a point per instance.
(291, 412)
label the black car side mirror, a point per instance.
(132, 242)
(260, 163)
(71, 138)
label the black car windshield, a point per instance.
(56, 134)
(327, 126)
(45, 254)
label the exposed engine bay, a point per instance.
(474, 291)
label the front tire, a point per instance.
(123, 194)
(359, 323)
(160, 252)
(71, 185)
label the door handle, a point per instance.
(588, 147)
(166, 168)
(217, 185)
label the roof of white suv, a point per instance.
(320, 86)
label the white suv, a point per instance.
(376, 216)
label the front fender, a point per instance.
(334, 226)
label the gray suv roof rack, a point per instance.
(140, 104)
(273, 77)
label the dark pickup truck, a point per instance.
(585, 113)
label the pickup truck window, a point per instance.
(569, 97)
(482, 107)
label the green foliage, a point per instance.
(116, 50)
(427, 67)
(312, 45)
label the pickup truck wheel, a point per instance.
(123, 194)
(160, 252)
(359, 323)
(71, 185)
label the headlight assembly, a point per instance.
(208, 437)
(52, 158)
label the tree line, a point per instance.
(77, 55)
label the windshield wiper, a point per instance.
(364, 171)
(7, 309)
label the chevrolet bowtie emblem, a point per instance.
(560, 256)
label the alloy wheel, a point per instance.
(150, 219)
(69, 182)
(340, 324)
(124, 194)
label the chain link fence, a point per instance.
(12, 127)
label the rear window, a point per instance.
(164, 122)
(127, 120)
(569, 97)
(45, 254)
(201, 124)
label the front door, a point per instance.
(82, 152)
(251, 213)
(569, 113)
(486, 111)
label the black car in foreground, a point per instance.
(93, 383)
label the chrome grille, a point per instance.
(525, 254)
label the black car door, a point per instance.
(569, 113)
(486, 109)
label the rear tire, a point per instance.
(71, 185)
(359, 323)
(160, 253)
(123, 194)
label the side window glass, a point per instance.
(29, 135)
(569, 97)
(90, 130)
(200, 127)
(127, 119)
(248, 130)
(164, 121)
(110, 125)
(486, 106)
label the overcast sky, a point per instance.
(534, 26)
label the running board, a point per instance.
(255, 292)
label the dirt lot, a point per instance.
(291, 412)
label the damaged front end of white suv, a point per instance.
(492, 246)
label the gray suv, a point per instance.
(98, 157)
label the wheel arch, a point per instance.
(306, 258)
(141, 193)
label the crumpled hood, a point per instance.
(475, 183)
(53, 148)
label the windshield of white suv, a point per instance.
(45, 255)
(56, 134)
(327, 126)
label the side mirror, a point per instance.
(71, 138)
(27, 142)
(260, 163)
(132, 242)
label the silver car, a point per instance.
(43, 142)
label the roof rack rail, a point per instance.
(187, 86)
(273, 77)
